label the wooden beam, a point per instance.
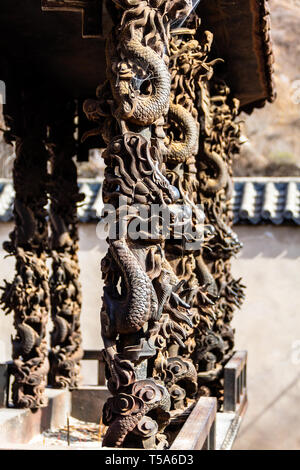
(91, 11)
(234, 380)
(4, 381)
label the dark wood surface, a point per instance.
(241, 38)
(198, 427)
(46, 48)
(235, 380)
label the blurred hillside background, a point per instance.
(271, 145)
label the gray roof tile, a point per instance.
(267, 200)
(255, 200)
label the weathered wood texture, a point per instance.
(91, 11)
(242, 38)
(4, 377)
(50, 43)
(235, 380)
(198, 433)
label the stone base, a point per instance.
(204, 429)
(88, 402)
(19, 426)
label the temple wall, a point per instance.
(268, 326)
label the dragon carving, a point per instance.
(65, 289)
(166, 309)
(28, 296)
(169, 123)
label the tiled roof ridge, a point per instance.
(264, 200)
(266, 179)
(256, 200)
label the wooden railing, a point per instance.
(235, 381)
(199, 431)
(95, 355)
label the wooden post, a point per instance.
(234, 380)
(27, 296)
(199, 431)
(4, 378)
(65, 288)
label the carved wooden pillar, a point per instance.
(219, 143)
(27, 296)
(65, 289)
(190, 68)
(201, 169)
(168, 294)
(143, 303)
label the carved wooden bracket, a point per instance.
(91, 11)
